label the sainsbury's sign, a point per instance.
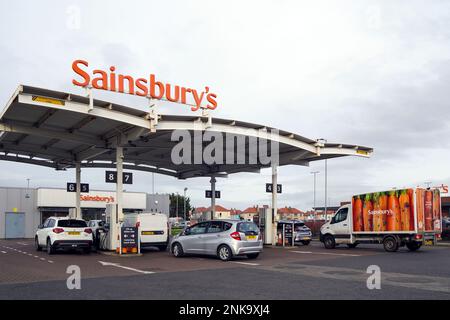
(108, 199)
(144, 87)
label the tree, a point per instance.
(173, 205)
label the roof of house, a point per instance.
(289, 210)
(253, 209)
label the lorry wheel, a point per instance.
(413, 246)
(352, 245)
(390, 244)
(329, 242)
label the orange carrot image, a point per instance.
(367, 217)
(428, 210)
(404, 210)
(358, 215)
(436, 206)
(383, 207)
(411, 209)
(420, 209)
(376, 216)
(394, 215)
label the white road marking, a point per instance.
(328, 253)
(123, 267)
(42, 259)
(36, 256)
(246, 263)
(3, 251)
(50, 261)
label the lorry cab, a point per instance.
(339, 226)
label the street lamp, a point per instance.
(184, 202)
(314, 207)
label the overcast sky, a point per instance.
(372, 73)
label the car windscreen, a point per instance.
(247, 227)
(71, 223)
(299, 226)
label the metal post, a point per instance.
(176, 210)
(274, 203)
(78, 214)
(213, 197)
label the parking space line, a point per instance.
(246, 263)
(328, 253)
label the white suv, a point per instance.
(64, 233)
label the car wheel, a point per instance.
(36, 244)
(253, 255)
(224, 253)
(50, 249)
(390, 244)
(413, 246)
(329, 242)
(177, 250)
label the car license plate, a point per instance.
(428, 242)
(147, 233)
(74, 233)
(251, 237)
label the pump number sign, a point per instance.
(111, 177)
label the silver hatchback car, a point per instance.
(222, 238)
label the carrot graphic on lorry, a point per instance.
(367, 217)
(404, 210)
(394, 216)
(383, 213)
(376, 217)
(358, 224)
(428, 210)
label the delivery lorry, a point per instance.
(153, 228)
(407, 217)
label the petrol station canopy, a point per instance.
(58, 130)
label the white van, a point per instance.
(153, 227)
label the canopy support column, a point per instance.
(78, 214)
(119, 184)
(274, 203)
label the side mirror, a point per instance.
(333, 220)
(40, 226)
(187, 231)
